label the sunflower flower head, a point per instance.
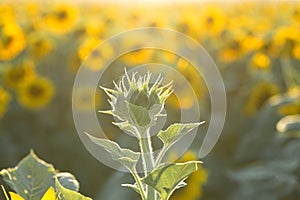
(12, 41)
(137, 103)
(35, 93)
(17, 74)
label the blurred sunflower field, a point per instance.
(255, 45)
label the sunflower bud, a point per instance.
(137, 103)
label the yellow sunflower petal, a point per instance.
(49, 195)
(15, 196)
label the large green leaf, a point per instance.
(176, 131)
(30, 178)
(126, 157)
(139, 115)
(167, 177)
(66, 194)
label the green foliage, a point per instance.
(32, 178)
(167, 177)
(66, 194)
(138, 107)
(139, 115)
(127, 157)
(175, 131)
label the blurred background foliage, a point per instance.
(256, 46)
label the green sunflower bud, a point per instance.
(137, 103)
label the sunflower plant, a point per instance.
(137, 104)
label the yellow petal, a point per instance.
(49, 195)
(15, 196)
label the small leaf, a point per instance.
(66, 194)
(30, 178)
(167, 177)
(126, 126)
(49, 195)
(139, 115)
(175, 131)
(68, 180)
(15, 196)
(132, 186)
(126, 157)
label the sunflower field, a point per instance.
(256, 46)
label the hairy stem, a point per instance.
(160, 156)
(139, 184)
(147, 156)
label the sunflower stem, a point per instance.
(148, 161)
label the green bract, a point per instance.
(136, 104)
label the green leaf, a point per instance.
(126, 157)
(139, 115)
(167, 177)
(176, 131)
(126, 126)
(66, 194)
(68, 180)
(30, 178)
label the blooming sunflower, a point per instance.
(261, 61)
(4, 100)
(285, 38)
(96, 57)
(138, 57)
(35, 93)
(39, 45)
(193, 189)
(212, 20)
(15, 75)
(296, 52)
(12, 41)
(62, 18)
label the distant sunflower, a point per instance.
(39, 45)
(12, 41)
(36, 93)
(213, 20)
(62, 18)
(137, 57)
(4, 100)
(261, 61)
(193, 189)
(94, 58)
(16, 74)
(296, 52)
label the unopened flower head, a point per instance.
(136, 102)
